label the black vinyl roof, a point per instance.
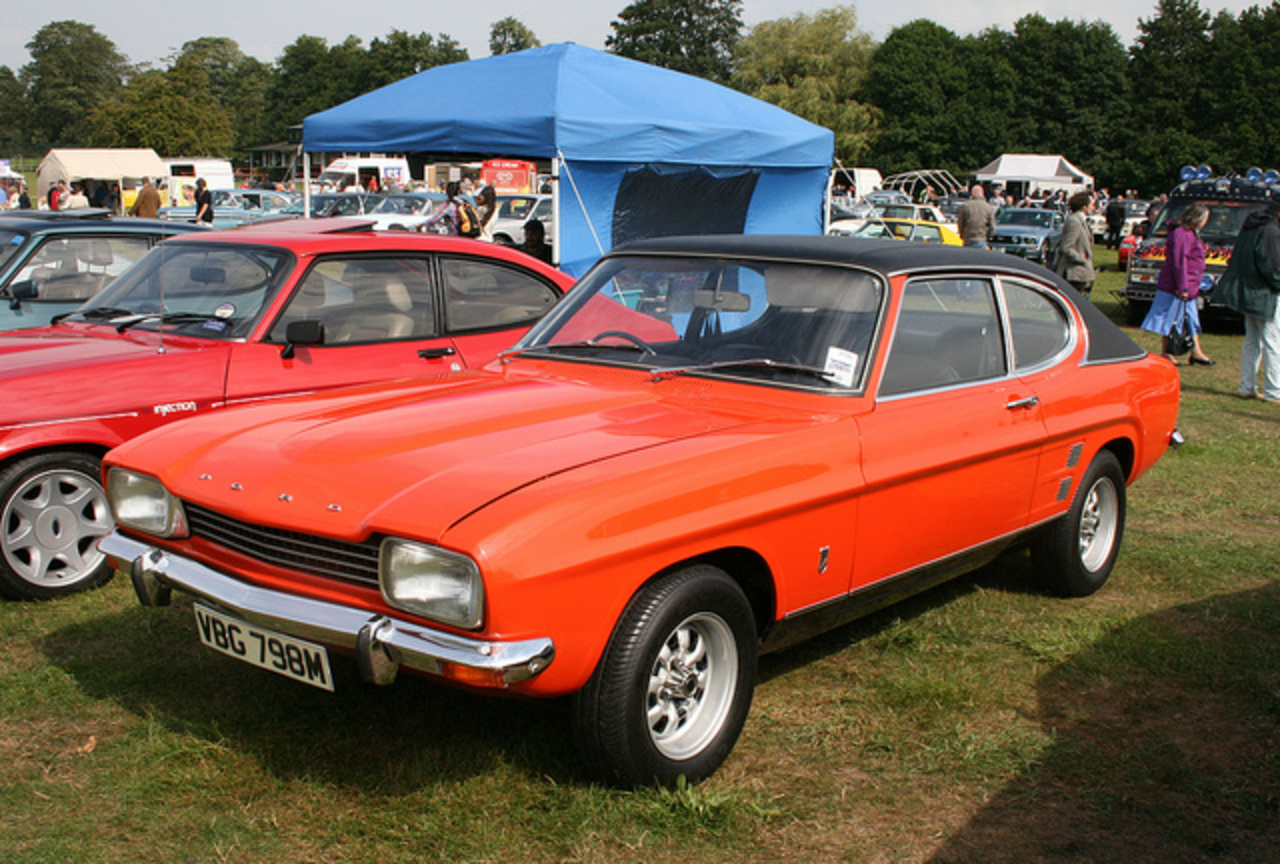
(1107, 342)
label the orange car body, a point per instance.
(573, 481)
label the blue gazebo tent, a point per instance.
(638, 151)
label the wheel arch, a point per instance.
(1125, 452)
(97, 451)
(744, 566)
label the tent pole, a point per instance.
(306, 185)
(555, 207)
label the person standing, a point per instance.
(1178, 284)
(487, 207)
(1074, 259)
(204, 204)
(1251, 286)
(147, 203)
(1114, 215)
(976, 219)
(447, 216)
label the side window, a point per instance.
(364, 300)
(948, 333)
(73, 269)
(928, 234)
(1039, 326)
(479, 295)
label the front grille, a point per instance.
(320, 556)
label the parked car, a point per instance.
(405, 211)
(713, 446)
(515, 210)
(915, 230)
(915, 213)
(214, 319)
(329, 204)
(1028, 232)
(52, 261)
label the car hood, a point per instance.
(417, 457)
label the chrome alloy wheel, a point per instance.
(691, 685)
(1099, 521)
(50, 528)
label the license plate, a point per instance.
(284, 655)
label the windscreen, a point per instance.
(216, 292)
(780, 323)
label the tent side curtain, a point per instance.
(626, 201)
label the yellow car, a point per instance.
(916, 230)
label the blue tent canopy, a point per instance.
(605, 119)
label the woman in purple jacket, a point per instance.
(1179, 280)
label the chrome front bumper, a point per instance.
(381, 643)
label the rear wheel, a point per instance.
(1074, 555)
(671, 693)
(52, 513)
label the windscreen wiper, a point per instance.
(749, 363)
(124, 324)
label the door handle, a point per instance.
(436, 353)
(1029, 402)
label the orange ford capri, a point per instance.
(711, 448)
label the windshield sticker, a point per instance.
(842, 366)
(218, 326)
(226, 310)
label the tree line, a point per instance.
(1193, 87)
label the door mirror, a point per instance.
(308, 331)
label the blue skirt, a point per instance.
(1167, 310)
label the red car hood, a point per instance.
(352, 462)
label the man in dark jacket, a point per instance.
(1251, 286)
(1115, 221)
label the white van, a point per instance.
(350, 172)
(180, 188)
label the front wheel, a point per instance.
(52, 513)
(1074, 555)
(671, 693)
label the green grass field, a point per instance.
(981, 722)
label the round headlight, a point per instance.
(142, 503)
(431, 582)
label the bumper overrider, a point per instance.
(381, 643)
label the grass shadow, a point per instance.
(386, 740)
(1167, 747)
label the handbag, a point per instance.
(1181, 337)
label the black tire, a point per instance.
(647, 717)
(1074, 555)
(52, 512)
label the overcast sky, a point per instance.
(151, 30)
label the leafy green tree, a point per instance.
(237, 82)
(916, 81)
(814, 67)
(174, 112)
(1172, 91)
(13, 113)
(1072, 92)
(1243, 128)
(697, 37)
(510, 35)
(314, 76)
(401, 54)
(73, 69)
